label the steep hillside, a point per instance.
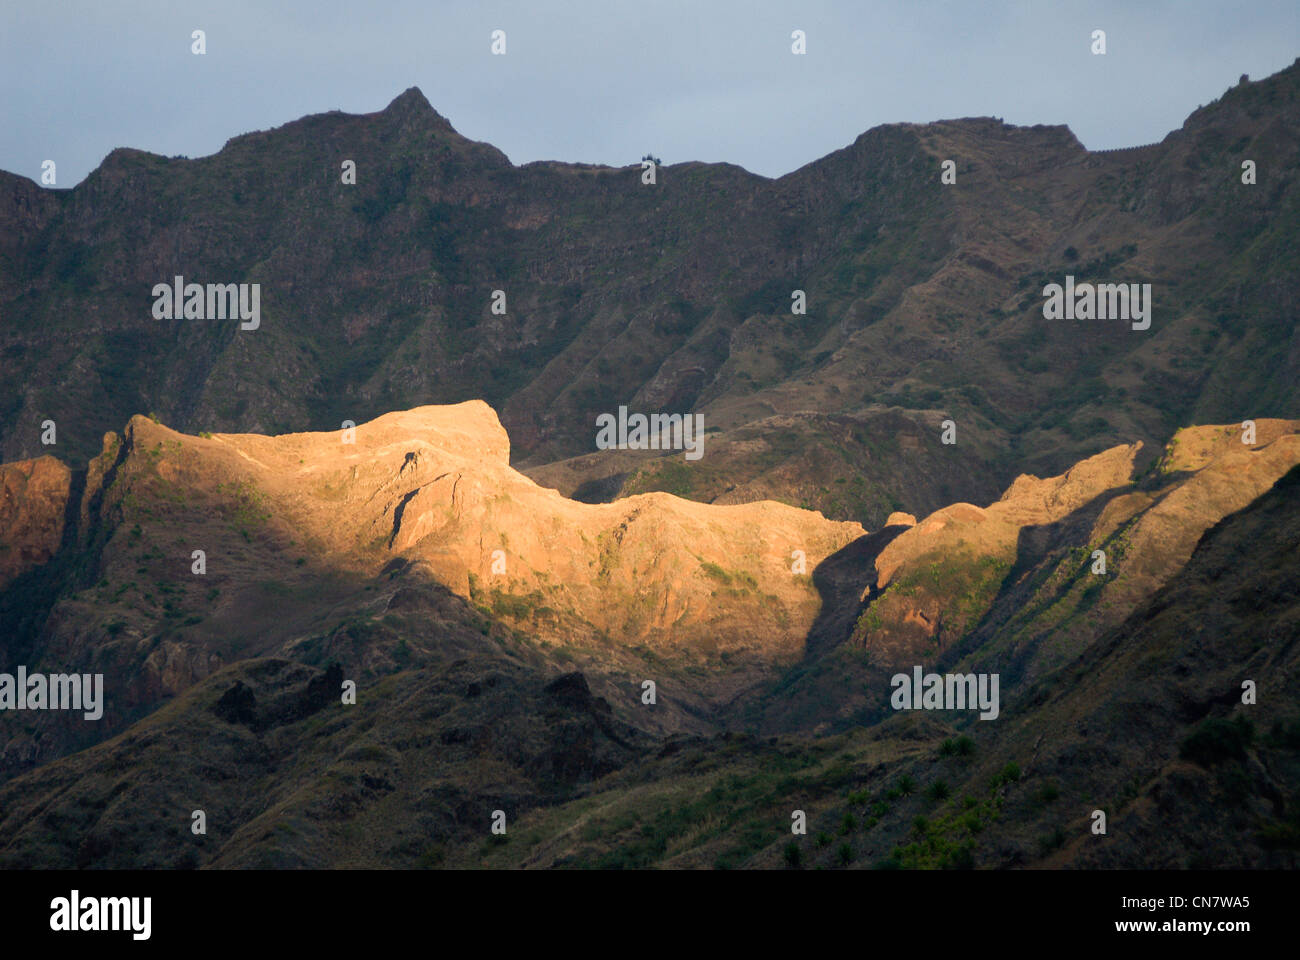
(33, 497)
(194, 552)
(1147, 725)
(1022, 586)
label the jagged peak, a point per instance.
(410, 111)
(411, 100)
(412, 106)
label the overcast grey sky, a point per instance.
(601, 81)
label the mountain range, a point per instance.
(641, 659)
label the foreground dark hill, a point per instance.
(923, 299)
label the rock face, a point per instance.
(1222, 476)
(432, 490)
(1159, 721)
(1090, 539)
(1147, 536)
(33, 504)
(950, 564)
(434, 486)
(410, 536)
(992, 531)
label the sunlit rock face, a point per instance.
(33, 501)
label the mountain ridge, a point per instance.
(674, 297)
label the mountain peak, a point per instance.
(410, 100)
(411, 109)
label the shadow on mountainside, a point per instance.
(839, 580)
(1039, 550)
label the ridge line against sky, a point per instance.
(585, 82)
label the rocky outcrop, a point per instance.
(1090, 539)
(1206, 474)
(434, 488)
(33, 504)
(993, 531)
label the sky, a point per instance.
(606, 81)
